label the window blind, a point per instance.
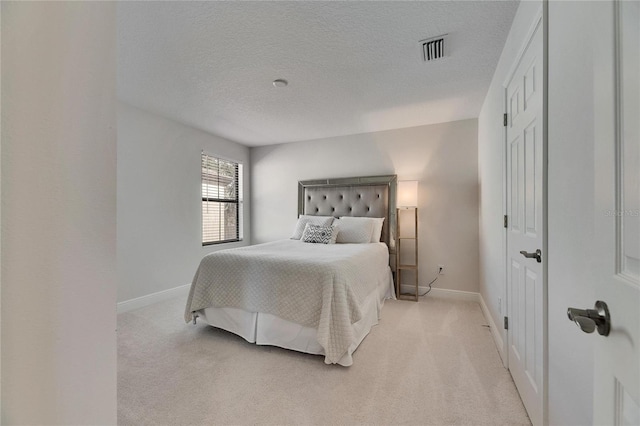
(221, 200)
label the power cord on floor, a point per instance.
(431, 283)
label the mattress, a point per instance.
(266, 329)
(333, 290)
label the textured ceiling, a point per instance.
(352, 67)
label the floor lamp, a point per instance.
(407, 233)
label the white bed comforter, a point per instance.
(315, 285)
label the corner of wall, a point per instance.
(496, 332)
(166, 183)
(491, 173)
(443, 157)
(1, 138)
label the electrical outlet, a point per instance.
(440, 269)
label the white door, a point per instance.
(615, 264)
(525, 232)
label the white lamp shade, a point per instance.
(408, 193)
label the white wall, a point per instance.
(0, 218)
(159, 200)
(573, 27)
(491, 166)
(442, 157)
(58, 213)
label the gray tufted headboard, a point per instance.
(370, 196)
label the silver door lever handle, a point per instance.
(537, 255)
(591, 319)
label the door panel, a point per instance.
(629, 146)
(627, 411)
(525, 284)
(531, 180)
(515, 187)
(514, 104)
(514, 278)
(531, 366)
(529, 83)
(616, 255)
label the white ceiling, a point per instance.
(352, 67)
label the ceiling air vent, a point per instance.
(433, 48)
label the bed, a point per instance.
(315, 298)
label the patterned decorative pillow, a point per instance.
(313, 220)
(319, 234)
(354, 232)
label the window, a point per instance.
(221, 200)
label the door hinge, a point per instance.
(506, 323)
(506, 221)
(504, 120)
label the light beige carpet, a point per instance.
(432, 362)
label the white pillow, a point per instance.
(355, 232)
(377, 225)
(314, 220)
(319, 234)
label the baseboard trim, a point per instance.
(150, 299)
(495, 331)
(444, 293)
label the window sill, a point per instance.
(212, 243)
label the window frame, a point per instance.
(238, 200)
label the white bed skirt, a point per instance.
(266, 329)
